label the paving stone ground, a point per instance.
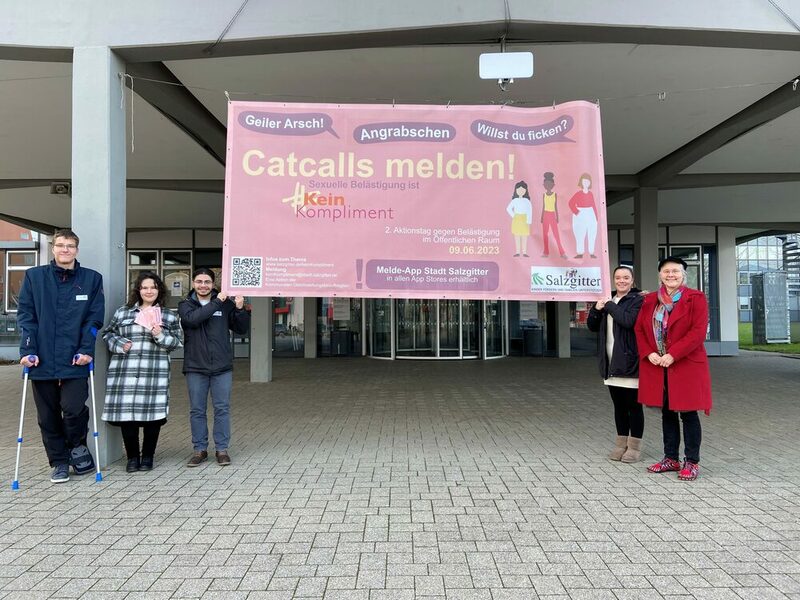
(361, 479)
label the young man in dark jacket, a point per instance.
(61, 307)
(207, 316)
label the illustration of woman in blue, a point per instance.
(521, 212)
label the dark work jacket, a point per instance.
(624, 356)
(60, 312)
(206, 341)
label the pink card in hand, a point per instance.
(149, 317)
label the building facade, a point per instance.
(113, 123)
(765, 254)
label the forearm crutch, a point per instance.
(25, 372)
(98, 476)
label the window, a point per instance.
(687, 253)
(143, 258)
(22, 259)
(626, 254)
(17, 263)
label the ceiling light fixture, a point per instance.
(505, 66)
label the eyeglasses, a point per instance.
(203, 282)
(69, 247)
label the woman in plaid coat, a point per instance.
(137, 387)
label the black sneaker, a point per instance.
(197, 459)
(146, 463)
(133, 465)
(81, 460)
(60, 474)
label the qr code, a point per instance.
(246, 271)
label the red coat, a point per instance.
(689, 377)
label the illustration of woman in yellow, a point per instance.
(550, 215)
(521, 212)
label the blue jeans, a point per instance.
(220, 386)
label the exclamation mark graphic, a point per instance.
(359, 267)
(511, 159)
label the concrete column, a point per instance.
(645, 237)
(310, 327)
(728, 292)
(98, 196)
(563, 342)
(261, 340)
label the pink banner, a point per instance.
(378, 201)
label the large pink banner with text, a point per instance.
(472, 202)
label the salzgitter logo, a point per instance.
(566, 279)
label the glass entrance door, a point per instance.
(176, 270)
(449, 318)
(380, 334)
(416, 328)
(492, 329)
(471, 327)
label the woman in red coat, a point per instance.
(673, 368)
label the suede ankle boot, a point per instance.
(634, 452)
(620, 445)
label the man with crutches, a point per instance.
(61, 307)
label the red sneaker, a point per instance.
(689, 472)
(665, 465)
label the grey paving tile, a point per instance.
(481, 480)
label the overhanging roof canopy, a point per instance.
(666, 91)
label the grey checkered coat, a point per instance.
(137, 387)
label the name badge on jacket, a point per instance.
(81, 297)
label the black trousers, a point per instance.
(671, 428)
(628, 413)
(130, 437)
(62, 415)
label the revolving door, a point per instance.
(436, 329)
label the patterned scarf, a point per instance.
(666, 303)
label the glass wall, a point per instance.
(582, 341)
(339, 325)
(436, 329)
(527, 328)
(288, 327)
(763, 255)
